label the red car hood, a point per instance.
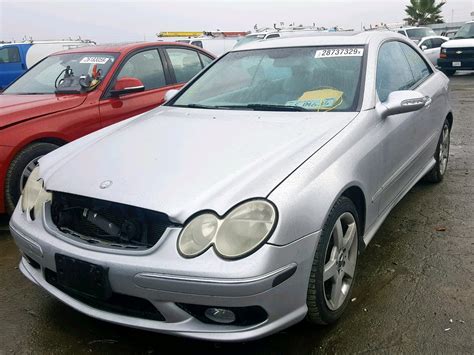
(17, 108)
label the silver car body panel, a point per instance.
(181, 161)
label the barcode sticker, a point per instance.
(94, 60)
(339, 52)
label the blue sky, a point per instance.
(115, 21)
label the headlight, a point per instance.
(241, 231)
(34, 195)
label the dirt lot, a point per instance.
(414, 293)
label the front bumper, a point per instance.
(274, 278)
(447, 63)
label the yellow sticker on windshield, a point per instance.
(322, 99)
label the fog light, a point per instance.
(220, 315)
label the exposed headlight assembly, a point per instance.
(240, 232)
(34, 195)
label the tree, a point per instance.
(424, 12)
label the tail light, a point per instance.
(442, 53)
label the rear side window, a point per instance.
(147, 67)
(393, 71)
(185, 63)
(420, 69)
(437, 42)
(402, 33)
(205, 60)
(9, 55)
(273, 36)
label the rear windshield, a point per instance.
(466, 31)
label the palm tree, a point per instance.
(424, 12)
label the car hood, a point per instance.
(18, 108)
(459, 43)
(180, 161)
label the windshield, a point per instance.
(44, 77)
(248, 39)
(466, 31)
(419, 33)
(281, 79)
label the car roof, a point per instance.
(322, 39)
(123, 47)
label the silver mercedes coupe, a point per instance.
(240, 207)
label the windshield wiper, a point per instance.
(199, 106)
(255, 107)
(270, 107)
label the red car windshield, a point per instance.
(44, 77)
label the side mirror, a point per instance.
(170, 94)
(127, 85)
(402, 102)
(423, 47)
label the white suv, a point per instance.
(458, 53)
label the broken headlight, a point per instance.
(34, 195)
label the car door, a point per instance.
(399, 132)
(427, 83)
(185, 63)
(11, 65)
(147, 66)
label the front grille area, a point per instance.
(106, 223)
(460, 53)
(116, 303)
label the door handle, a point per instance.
(428, 101)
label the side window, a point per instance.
(197, 43)
(437, 42)
(402, 33)
(9, 55)
(428, 43)
(185, 63)
(418, 66)
(147, 67)
(393, 70)
(205, 60)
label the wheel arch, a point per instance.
(356, 195)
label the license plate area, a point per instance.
(82, 277)
(456, 64)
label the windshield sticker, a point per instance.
(322, 99)
(339, 52)
(94, 60)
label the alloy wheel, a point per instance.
(340, 261)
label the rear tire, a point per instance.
(334, 266)
(19, 170)
(436, 174)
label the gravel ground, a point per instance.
(414, 293)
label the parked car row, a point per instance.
(73, 93)
(241, 205)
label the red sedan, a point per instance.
(72, 93)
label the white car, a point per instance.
(416, 33)
(431, 47)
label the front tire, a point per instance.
(436, 174)
(334, 265)
(20, 169)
